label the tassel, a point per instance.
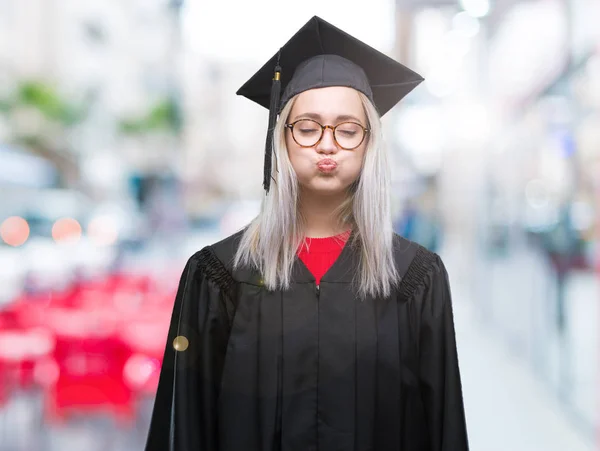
(273, 111)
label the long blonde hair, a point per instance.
(270, 242)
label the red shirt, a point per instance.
(318, 254)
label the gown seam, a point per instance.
(175, 360)
(215, 271)
(318, 416)
(279, 402)
(355, 427)
(417, 272)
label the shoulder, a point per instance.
(209, 264)
(220, 253)
(416, 265)
(216, 260)
(411, 256)
(226, 248)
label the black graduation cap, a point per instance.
(321, 55)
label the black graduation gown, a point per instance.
(309, 369)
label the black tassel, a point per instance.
(273, 111)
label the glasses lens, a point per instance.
(307, 133)
(349, 135)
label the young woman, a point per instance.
(315, 327)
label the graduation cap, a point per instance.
(320, 55)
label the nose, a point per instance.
(327, 143)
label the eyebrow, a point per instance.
(318, 117)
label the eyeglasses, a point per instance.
(347, 135)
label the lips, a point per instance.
(326, 165)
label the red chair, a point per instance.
(90, 367)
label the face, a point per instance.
(326, 167)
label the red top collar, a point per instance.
(318, 254)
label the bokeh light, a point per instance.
(102, 230)
(66, 229)
(14, 231)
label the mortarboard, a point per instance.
(321, 55)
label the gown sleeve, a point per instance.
(184, 413)
(438, 360)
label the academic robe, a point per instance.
(309, 368)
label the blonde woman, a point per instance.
(315, 327)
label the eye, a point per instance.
(348, 129)
(307, 127)
(308, 130)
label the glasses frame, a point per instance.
(333, 129)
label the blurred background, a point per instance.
(123, 150)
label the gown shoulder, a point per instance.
(415, 264)
(226, 248)
(425, 286)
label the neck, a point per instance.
(318, 210)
